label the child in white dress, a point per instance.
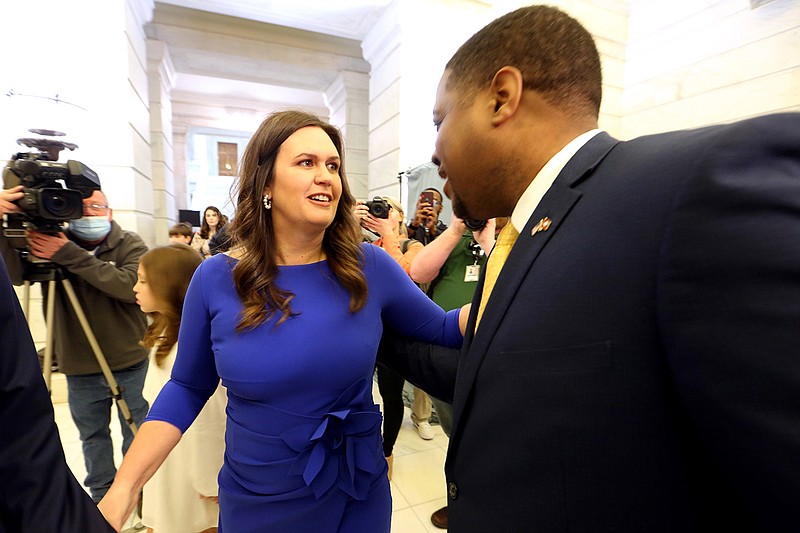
(182, 495)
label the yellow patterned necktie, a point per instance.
(505, 241)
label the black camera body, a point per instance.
(378, 207)
(53, 192)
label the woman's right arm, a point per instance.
(153, 442)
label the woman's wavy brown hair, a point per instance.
(253, 232)
(168, 270)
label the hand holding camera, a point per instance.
(425, 215)
(45, 245)
(8, 199)
(374, 216)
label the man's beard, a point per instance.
(459, 209)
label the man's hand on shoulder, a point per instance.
(46, 245)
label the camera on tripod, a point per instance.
(53, 192)
(378, 207)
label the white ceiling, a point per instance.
(349, 19)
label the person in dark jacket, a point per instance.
(631, 357)
(38, 492)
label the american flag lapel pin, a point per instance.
(543, 225)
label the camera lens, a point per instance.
(60, 204)
(378, 207)
(377, 210)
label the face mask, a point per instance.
(90, 229)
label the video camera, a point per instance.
(53, 192)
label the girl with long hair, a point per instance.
(181, 496)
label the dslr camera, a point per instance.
(378, 207)
(53, 192)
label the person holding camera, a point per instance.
(394, 240)
(100, 260)
(426, 225)
(393, 237)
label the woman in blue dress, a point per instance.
(290, 320)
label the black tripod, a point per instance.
(49, 272)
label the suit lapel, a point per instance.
(556, 205)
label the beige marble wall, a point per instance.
(347, 99)
(407, 50)
(692, 63)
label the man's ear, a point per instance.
(506, 88)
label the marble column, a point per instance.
(347, 99)
(161, 76)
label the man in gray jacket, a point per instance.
(100, 260)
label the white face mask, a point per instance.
(90, 229)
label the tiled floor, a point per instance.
(418, 485)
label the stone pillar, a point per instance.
(161, 76)
(407, 50)
(120, 108)
(181, 191)
(347, 99)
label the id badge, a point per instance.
(473, 273)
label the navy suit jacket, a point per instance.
(38, 493)
(637, 368)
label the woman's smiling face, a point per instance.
(306, 186)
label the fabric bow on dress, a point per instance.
(341, 450)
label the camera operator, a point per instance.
(100, 260)
(426, 225)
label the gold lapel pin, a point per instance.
(543, 225)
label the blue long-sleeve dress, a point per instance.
(303, 442)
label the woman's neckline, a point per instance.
(237, 258)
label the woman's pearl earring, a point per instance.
(267, 202)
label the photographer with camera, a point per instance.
(100, 261)
(385, 217)
(426, 225)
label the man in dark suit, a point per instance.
(38, 493)
(636, 367)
